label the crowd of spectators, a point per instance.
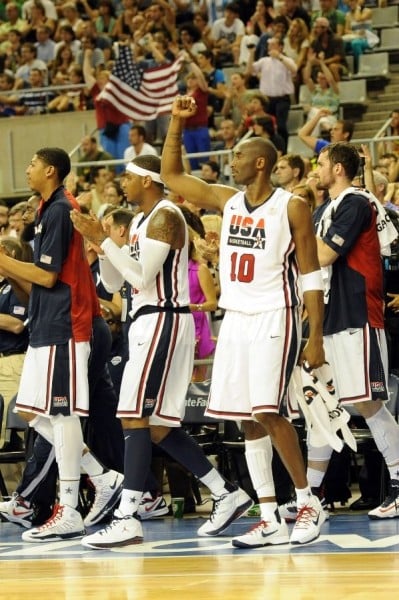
(310, 40)
(244, 62)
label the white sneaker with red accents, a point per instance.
(17, 510)
(65, 523)
(265, 533)
(150, 507)
(310, 518)
(389, 509)
(288, 511)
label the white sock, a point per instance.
(302, 496)
(214, 482)
(268, 511)
(130, 501)
(69, 492)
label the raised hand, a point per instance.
(184, 106)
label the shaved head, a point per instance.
(262, 148)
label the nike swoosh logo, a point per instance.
(265, 535)
(21, 513)
(388, 508)
(140, 343)
(316, 521)
(113, 486)
(272, 337)
(148, 508)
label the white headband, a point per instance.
(133, 168)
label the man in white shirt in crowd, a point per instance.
(276, 81)
(48, 5)
(137, 137)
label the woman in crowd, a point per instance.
(236, 98)
(324, 92)
(358, 36)
(296, 46)
(202, 294)
(60, 68)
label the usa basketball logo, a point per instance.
(247, 232)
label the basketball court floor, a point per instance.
(354, 558)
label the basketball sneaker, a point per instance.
(65, 523)
(265, 533)
(17, 510)
(226, 509)
(150, 507)
(389, 509)
(108, 490)
(288, 511)
(309, 520)
(122, 531)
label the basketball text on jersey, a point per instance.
(246, 231)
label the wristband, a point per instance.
(312, 281)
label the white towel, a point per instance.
(322, 411)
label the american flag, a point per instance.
(141, 94)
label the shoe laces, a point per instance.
(393, 497)
(13, 499)
(216, 506)
(258, 526)
(112, 524)
(56, 516)
(305, 515)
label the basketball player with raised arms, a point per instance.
(267, 253)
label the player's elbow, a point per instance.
(48, 279)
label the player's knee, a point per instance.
(159, 433)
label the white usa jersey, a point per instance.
(170, 287)
(258, 268)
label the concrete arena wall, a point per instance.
(21, 136)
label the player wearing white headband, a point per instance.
(161, 347)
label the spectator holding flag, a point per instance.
(113, 125)
(141, 90)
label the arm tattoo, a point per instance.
(166, 226)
